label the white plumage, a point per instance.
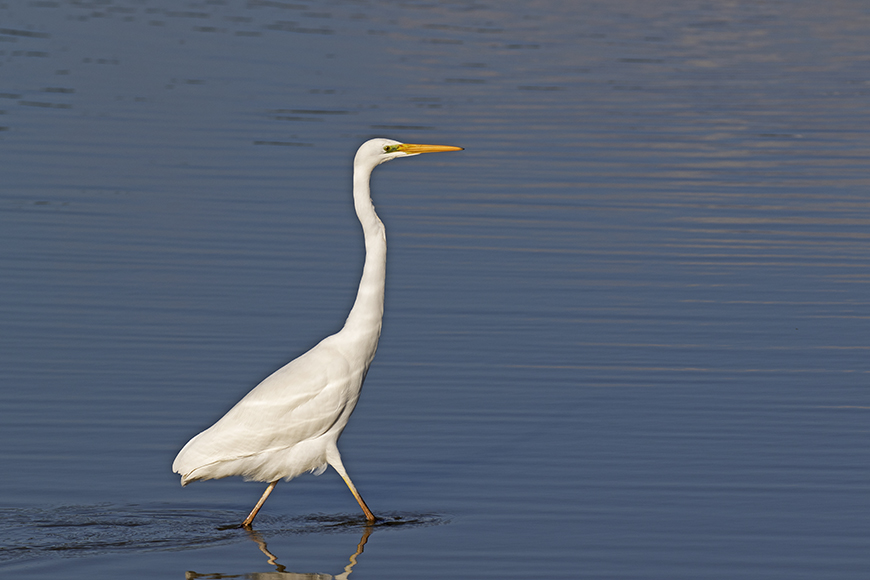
(290, 423)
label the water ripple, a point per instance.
(88, 530)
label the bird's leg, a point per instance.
(369, 515)
(335, 462)
(253, 514)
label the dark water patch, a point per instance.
(45, 105)
(97, 529)
(285, 26)
(540, 88)
(77, 530)
(340, 523)
(23, 33)
(281, 5)
(465, 81)
(314, 112)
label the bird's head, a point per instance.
(376, 151)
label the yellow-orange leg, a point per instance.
(253, 514)
(369, 515)
(335, 462)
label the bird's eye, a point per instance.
(391, 148)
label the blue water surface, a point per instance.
(626, 330)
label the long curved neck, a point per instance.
(364, 321)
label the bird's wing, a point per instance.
(297, 403)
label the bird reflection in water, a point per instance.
(280, 572)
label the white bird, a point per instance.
(290, 423)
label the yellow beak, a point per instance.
(412, 149)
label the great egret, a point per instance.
(290, 423)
